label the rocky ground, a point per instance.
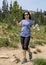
(13, 56)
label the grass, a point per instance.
(39, 34)
(3, 42)
(13, 44)
(39, 61)
(32, 45)
(39, 37)
(13, 32)
(38, 42)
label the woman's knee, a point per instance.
(25, 48)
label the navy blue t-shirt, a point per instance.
(25, 30)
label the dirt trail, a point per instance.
(8, 56)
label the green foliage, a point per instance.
(44, 20)
(17, 11)
(38, 37)
(32, 45)
(1, 42)
(11, 7)
(44, 12)
(5, 7)
(9, 26)
(13, 44)
(13, 34)
(4, 42)
(39, 34)
(14, 13)
(1, 15)
(40, 17)
(38, 42)
(39, 61)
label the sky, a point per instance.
(31, 5)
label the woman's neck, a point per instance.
(27, 19)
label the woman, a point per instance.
(26, 23)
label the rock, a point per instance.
(4, 57)
(35, 52)
(15, 59)
(38, 50)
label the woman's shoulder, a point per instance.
(22, 20)
(30, 20)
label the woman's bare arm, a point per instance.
(19, 24)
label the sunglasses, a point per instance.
(26, 14)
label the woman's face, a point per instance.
(26, 15)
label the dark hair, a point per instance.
(28, 13)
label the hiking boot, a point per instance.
(30, 55)
(24, 61)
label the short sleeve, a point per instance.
(22, 21)
(31, 23)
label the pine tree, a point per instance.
(41, 17)
(0, 15)
(5, 7)
(0, 11)
(11, 7)
(20, 13)
(17, 11)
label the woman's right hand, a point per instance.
(18, 24)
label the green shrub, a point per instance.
(39, 61)
(14, 38)
(39, 35)
(7, 42)
(38, 43)
(9, 26)
(32, 45)
(45, 29)
(4, 42)
(1, 42)
(13, 44)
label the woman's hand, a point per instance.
(37, 27)
(18, 24)
(33, 27)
